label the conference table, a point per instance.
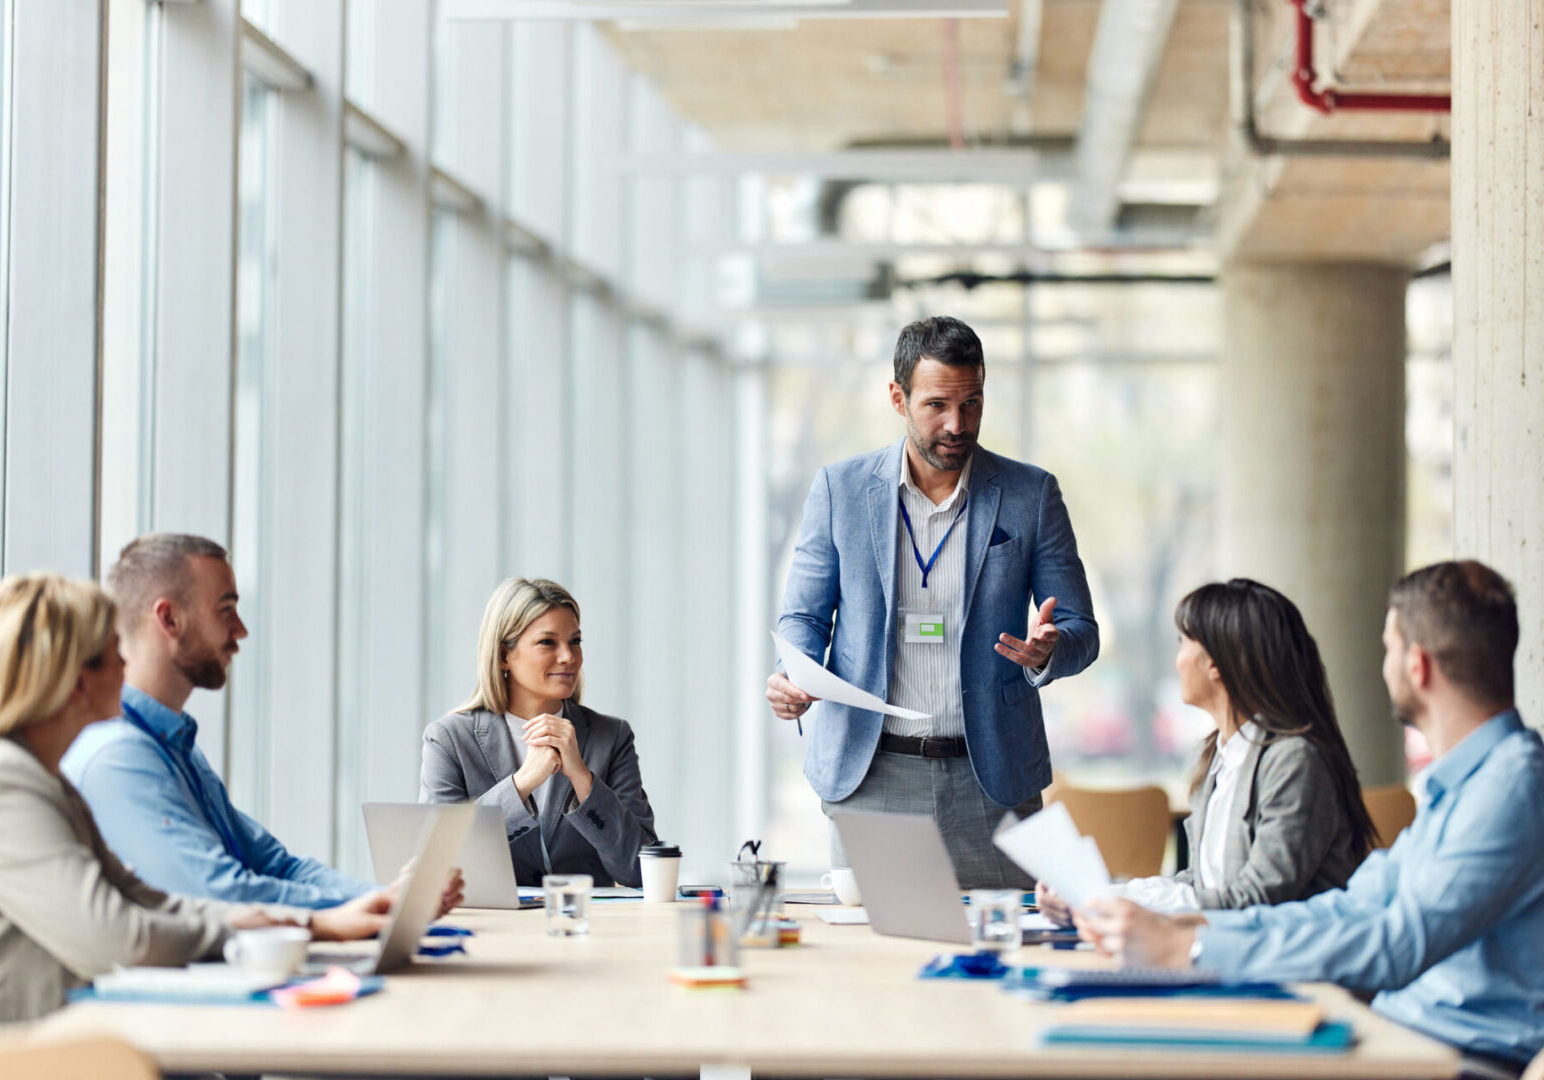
(846, 1002)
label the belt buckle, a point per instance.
(928, 742)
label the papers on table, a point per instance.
(845, 916)
(816, 681)
(1033, 920)
(197, 982)
(1049, 847)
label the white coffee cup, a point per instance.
(660, 865)
(271, 952)
(844, 883)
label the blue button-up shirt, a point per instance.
(163, 811)
(1448, 924)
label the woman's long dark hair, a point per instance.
(1271, 670)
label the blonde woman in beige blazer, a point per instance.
(69, 910)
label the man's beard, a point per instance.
(964, 447)
(203, 669)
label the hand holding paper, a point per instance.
(1048, 846)
(816, 681)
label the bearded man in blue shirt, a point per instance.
(160, 805)
(1447, 927)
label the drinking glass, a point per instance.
(994, 919)
(568, 904)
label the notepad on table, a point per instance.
(1198, 1023)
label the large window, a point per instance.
(252, 494)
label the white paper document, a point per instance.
(844, 916)
(816, 681)
(1049, 847)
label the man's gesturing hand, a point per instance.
(787, 700)
(1036, 651)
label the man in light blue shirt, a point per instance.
(159, 804)
(1448, 925)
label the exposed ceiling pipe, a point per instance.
(1128, 44)
(1270, 146)
(1327, 100)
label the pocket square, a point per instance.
(998, 536)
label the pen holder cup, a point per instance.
(756, 901)
(704, 937)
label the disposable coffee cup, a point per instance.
(661, 867)
(273, 953)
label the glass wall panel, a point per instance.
(353, 533)
(598, 496)
(256, 264)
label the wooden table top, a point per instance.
(847, 1002)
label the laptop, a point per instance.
(440, 839)
(904, 874)
(485, 865)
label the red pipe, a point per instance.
(1328, 101)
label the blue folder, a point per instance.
(1330, 1037)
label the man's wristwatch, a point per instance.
(1195, 952)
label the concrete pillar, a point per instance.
(1313, 467)
(1498, 310)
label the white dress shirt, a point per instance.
(927, 677)
(1166, 894)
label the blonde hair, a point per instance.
(513, 607)
(51, 626)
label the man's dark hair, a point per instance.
(152, 566)
(940, 338)
(1465, 615)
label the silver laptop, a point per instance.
(436, 852)
(904, 874)
(485, 865)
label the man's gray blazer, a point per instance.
(471, 755)
(1288, 838)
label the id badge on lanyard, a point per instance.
(923, 627)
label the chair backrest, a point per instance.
(1391, 807)
(1130, 825)
(95, 1056)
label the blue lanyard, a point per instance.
(927, 567)
(188, 775)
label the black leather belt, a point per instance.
(924, 746)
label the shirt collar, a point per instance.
(1236, 749)
(178, 729)
(960, 486)
(1458, 763)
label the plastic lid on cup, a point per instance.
(660, 851)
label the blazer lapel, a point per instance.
(495, 742)
(980, 520)
(1198, 803)
(1235, 849)
(884, 499)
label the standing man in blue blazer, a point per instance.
(944, 579)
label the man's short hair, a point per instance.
(941, 338)
(153, 566)
(1465, 615)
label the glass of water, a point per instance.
(994, 919)
(568, 904)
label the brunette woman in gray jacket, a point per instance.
(1276, 811)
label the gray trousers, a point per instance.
(946, 790)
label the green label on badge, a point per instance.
(930, 629)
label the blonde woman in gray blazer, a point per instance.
(566, 778)
(69, 910)
(1276, 812)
